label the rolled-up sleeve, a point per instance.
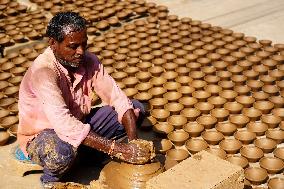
(67, 127)
(107, 89)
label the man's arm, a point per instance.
(129, 123)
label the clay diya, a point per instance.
(266, 144)
(258, 128)
(183, 80)
(188, 102)
(164, 145)
(217, 151)
(207, 121)
(233, 107)
(226, 85)
(13, 130)
(217, 101)
(279, 153)
(260, 95)
(158, 103)
(174, 108)
(246, 137)
(271, 120)
(190, 113)
(276, 183)
(143, 76)
(204, 107)
(143, 87)
(230, 95)
(231, 146)
(4, 113)
(271, 89)
(4, 76)
(163, 128)
(194, 129)
(118, 76)
(4, 137)
(157, 81)
(212, 79)
(252, 113)
(5, 102)
(278, 101)
(271, 164)
(239, 120)
(178, 137)
(13, 108)
(178, 121)
(157, 92)
(252, 153)
(256, 175)
(7, 121)
(278, 112)
(130, 92)
(246, 101)
(220, 114)
(212, 137)
(177, 154)
(195, 145)
(160, 114)
(264, 106)
(186, 90)
(276, 135)
(238, 160)
(213, 89)
(226, 128)
(171, 86)
(11, 91)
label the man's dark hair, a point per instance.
(65, 22)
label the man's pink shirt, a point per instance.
(48, 99)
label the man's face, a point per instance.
(71, 51)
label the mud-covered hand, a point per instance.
(136, 151)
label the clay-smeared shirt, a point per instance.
(48, 98)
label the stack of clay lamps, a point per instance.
(203, 86)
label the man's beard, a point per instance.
(67, 63)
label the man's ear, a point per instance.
(52, 43)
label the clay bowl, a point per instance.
(226, 128)
(178, 121)
(7, 121)
(252, 113)
(233, 107)
(272, 165)
(158, 81)
(172, 96)
(256, 175)
(213, 89)
(7, 66)
(239, 120)
(212, 79)
(157, 92)
(188, 102)
(15, 80)
(279, 153)
(267, 79)
(281, 125)
(143, 87)
(204, 107)
(226, 85)
(163, 128)
(207, 121)
(194, 129)
(130, 82)
(278, 101)
(276, 135)
(217, 101)
(170, 75)
(13, 130)
(278, 112)
(190, 113)
(13, 108)
(238, 160)
(198, 84)
(130, 92)
(271, 120)
(246, 101)
(230, 95)
(160, 114)
(239, 79)
(201, 95)
(231, 146)
(217, 151)
(177, 154)
(264, 106)
(257, 127)
(174, 108)
(276, 183)
(164, 146)
(178, 137)
(4, 76)
(195, 145)
(118, 76)
(4, 137)
(143, 76)
(260, 95)
(220, 114)
(197, 74)
(158, 103)
(246, 137)
(186, 90)
(171, 86)
(266, 144)
(252, 153)
(212, 137)
(271, 89)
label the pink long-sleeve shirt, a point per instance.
(48, 99)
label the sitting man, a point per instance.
(55, 115)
